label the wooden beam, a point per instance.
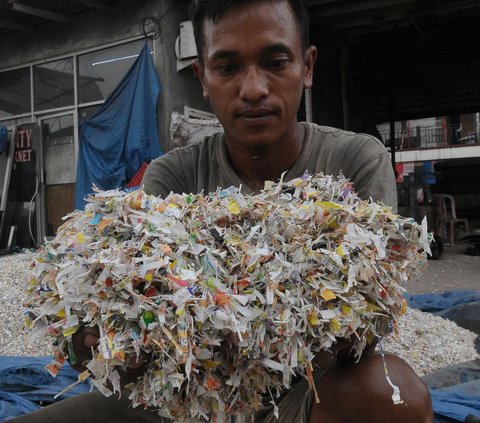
(4, 23)
(449, 8)
(311, 3)
(35, 11)
(330, 8)
(96, 4)
(367, 21)
(364, 6)
(391, 17)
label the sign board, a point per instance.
(23, 177)
(18, 219)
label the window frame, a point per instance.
(33, 114)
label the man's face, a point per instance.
(254, 72)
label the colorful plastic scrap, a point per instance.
(230, 295)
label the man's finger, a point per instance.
(90, 340)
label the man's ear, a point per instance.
(198, 71)
(310, 59)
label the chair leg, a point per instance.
(440, 230)
(451, 233)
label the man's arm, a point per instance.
(375, 179)
(164, 175)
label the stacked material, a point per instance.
(230, 295)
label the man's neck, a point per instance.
(255, 166)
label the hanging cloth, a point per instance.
(122, 135)
(3, 139)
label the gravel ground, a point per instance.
(425, 341)
(14, 338)
(428, 342)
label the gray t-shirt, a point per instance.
(204, 165)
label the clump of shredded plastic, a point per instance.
(230, 295)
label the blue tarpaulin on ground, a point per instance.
(13, 405)
(452, 402)
(455, 404)
(25, 384)
(122, 134)
(438, 302)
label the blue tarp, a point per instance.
(13, 405)
(3, 139)
(455, 404)
(452, 402)
(122, 134)
(440, 302)
(25, 384)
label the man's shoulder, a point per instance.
(181, 169)
(328, 130)
(192, 150)
(199, 144)
(327, 138)
(340, 134)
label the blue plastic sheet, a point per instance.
(455, 404)
(3, 139)
(438, 302)
(25, 384)
(123, 134)
(452, 402)
(13, 405)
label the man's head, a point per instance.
(215, 9)
(254, 69)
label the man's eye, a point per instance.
(227, 68)
(277, 63)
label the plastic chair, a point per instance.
(447, 215)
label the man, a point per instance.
(254, 63)
(253, 68)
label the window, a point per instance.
(14, 92)
(100, 72)
(54, 84)
(13, 122)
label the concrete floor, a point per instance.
(452, 271)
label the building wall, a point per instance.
(122, 21)
(93, 30)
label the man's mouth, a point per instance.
(256, 116)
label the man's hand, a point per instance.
(87, 338)
(346, 353)
(341, 352)
(83, 340)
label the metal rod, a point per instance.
(35, 11)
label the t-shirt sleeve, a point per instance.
(372, 173)
(165, 174)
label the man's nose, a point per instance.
(253, 85)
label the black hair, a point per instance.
(215, 9)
